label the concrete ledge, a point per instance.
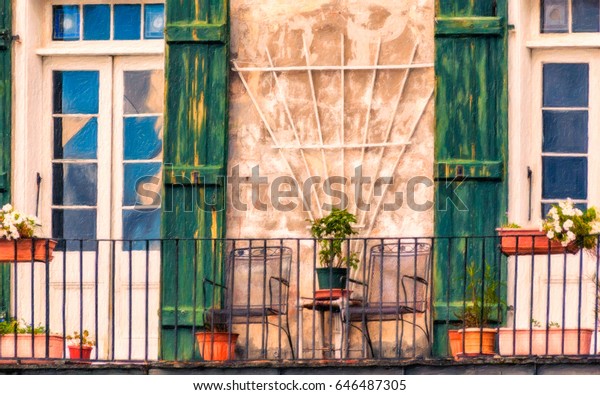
(489, 366)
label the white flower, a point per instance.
(557, 228)
(578, 212)
(7, 208)
(568, 224)
(550, 234)
(571, 236)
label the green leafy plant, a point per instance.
(512, 225)
(567, 224)
(478, 310)
(82, 339)
(12, 325)
(331, 231)
(536, 324)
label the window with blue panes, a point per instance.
(570, 16)
(565, 126)
(75, 157)
(142, 155)
(109, 21)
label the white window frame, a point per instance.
(103, 161)
(122, 64)
(34, 57)
(528, 50)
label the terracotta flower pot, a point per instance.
(539, 338)
(477, 341)
(23, 250)
(80, 352)
(24, 344)
(217, 346)
(531, 241)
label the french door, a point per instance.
(103, 121)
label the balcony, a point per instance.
(446, 300)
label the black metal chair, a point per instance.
(396, 289)
(257, 289)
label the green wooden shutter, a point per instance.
(5, 134)
(195, 157)
(471, 142)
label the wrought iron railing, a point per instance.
(271, 299)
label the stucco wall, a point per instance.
(384, 107)
(279, 27)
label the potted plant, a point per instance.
(217, 343)
(331, 232)
(27, 341)
(549, 339)
(565, 229)
(18, 242)
(80, 345)
(476, 338)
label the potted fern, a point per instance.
(331, 232)
(476, 337)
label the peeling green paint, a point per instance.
(471, 134)
(195, 157)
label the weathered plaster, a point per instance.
(280, 27)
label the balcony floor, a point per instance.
(493, 366)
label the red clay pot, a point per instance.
(80, 352)
(23, 252)
(531, 241)
(217, 346)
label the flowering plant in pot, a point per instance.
(331, 232)
(21, 340)
(217, 343)
(476, 337)
(18, 241)
(569, 226)
(565, 229)
(80, 345)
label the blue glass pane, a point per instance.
(96, 22)
(65, 22)
(74, 184)
(141, 225)
(154, 21)
(76, 92)
(555, 16)
(566, 131)
(74, 225)
(566, 84)
(127, 21)
(564, 177)
(144, 92)
(141, 184)
(75, 138)
(547, 206)
(142, 137)
(586, 15)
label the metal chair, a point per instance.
(396, 289)
(257, 288)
